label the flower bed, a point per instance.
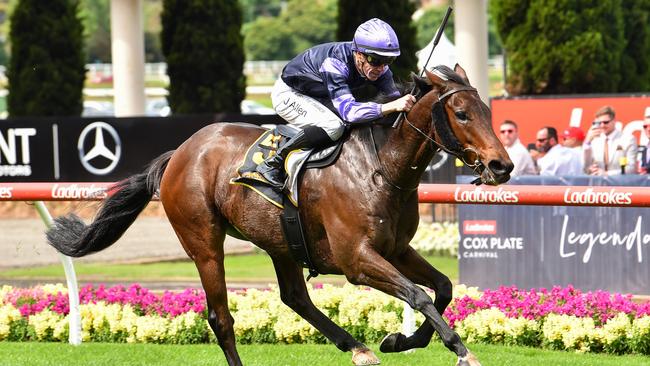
(560, 318)
(437, 239)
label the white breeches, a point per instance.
(301, 110)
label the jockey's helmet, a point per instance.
(376, 37)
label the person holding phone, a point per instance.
(645, 151)
(607, 151)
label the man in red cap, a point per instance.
(572, 138)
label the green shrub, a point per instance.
(46, 70)
(204, 49)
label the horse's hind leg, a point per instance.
(373, 270)
(202, 234)
(417, 269)
(294, 294)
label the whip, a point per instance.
(399, 118)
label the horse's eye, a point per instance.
(461, 115)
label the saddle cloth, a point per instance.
(267, 144)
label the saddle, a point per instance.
(271, 141)
(297, 160)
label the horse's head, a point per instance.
(461, 123)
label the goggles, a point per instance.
(377, 60)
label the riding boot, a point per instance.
(272, 169)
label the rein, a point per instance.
(381, 171)
(438, 117)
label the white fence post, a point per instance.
(71, 279)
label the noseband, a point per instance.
(442, 128)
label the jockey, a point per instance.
(314, 91)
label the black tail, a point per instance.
(70, 236)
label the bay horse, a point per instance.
(359, 213)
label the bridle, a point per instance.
(450, 143)
(442, 128)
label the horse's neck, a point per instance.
(402, 153)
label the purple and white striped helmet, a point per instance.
(376, 37)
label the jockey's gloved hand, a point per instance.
(401, 104)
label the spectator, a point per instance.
(509, 136)
(557, 160)
(534, 153)
(573, 138)
(606, 150)
(645, 150)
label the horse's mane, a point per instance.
(450, 74)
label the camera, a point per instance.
(596, 123)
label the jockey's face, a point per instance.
(366, 70)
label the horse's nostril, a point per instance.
(498, 167)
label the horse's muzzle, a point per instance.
(497, 172)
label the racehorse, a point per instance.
(359, 213)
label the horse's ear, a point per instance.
(434, 79)
(461, 72)
(421, 84)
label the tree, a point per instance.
(97, 25)
(635, 62)
(46, 72)
(260, 8)
(301, 25)
(397, 13)
(202, 43)
(561, 46)
(268, 38)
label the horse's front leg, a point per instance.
(417, 269)
(373, 270)
(293, 293)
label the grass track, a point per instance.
(241, 268)
(99, 354)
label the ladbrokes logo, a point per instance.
(76, 191)
(478, 195)
(479, 227)
(6, 192)
(588, 196)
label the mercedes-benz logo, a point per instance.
(99, 148)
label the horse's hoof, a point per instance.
(364, 356)
(468, 360)
(392, 343)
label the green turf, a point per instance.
(96, 354)
(248, 268)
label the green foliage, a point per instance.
(47, 69)
(581, 46)
(260, 8)
(397, 13)
(635, 61)
(302, 25)
(97, 26)
(197, 333)
(20, 331)
(427, 25)
(203, 46)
